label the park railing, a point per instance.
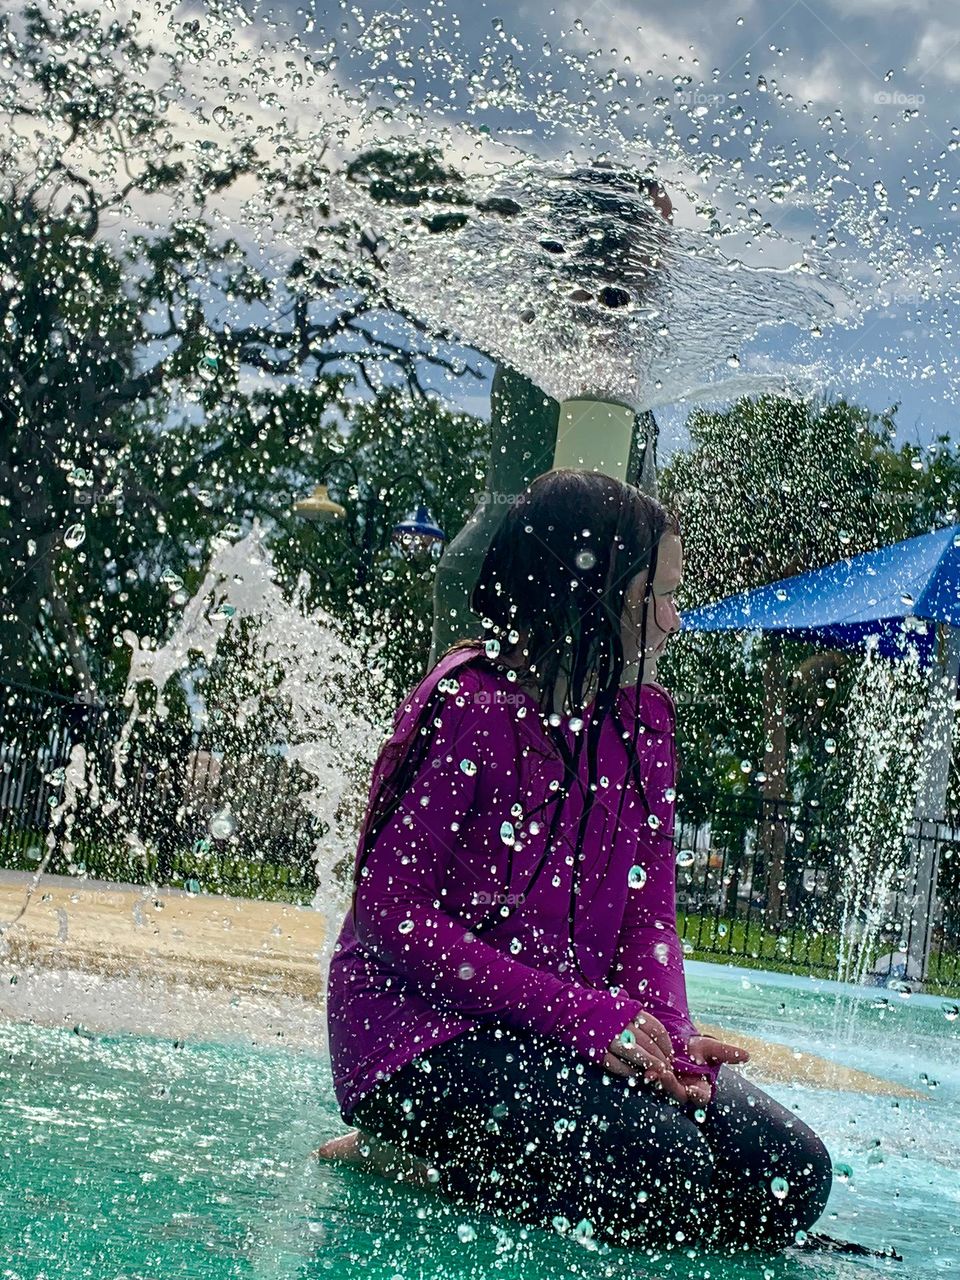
(168, 805)
(766, 883)
(775, 884)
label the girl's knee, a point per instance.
(653, 1176)
(816, 1172)
(795, 1195)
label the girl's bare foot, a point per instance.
(345, 1148)
(375, 1156)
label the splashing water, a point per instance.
(578, 283)
(337, 709)
(884, 720)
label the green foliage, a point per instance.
(774, 487)
(165, 380)
(770, 488)
(407, 178)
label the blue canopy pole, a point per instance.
(773, 827)
(931, 801)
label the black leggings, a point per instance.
(519, 1125)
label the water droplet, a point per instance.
(700, 1115)
(74, 536)
(574, 724)
(585, 559)
(722, 930)
(492, 648)
(561, 1224)
(468, 767)
(830, 746)
(842, 1172)
(506, 832)
(661, 953)
(653, 822)
(636, 877)
(516, 946)
(222, 824)
(627, 1036)
(405, 926)
(686, 858)
(951, 1012)
(466, 1233)
(466, 972)
(780, 1187)
(670, 795)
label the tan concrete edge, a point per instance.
(259, 949)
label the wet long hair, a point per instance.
(557, 569)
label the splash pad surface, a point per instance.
(135, 1154)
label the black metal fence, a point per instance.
(168, 805)
(759, 882)
(774, 884)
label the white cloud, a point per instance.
(938, 53)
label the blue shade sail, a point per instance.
(891, 596)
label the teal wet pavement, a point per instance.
(127, 1158)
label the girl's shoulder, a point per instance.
(657, 709)
(454, 677)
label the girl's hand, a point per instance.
(643, 1050)
(707, 1050)
(699, 1089)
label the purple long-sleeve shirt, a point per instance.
(410, 974)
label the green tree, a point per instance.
(771, 488)
(130, 341)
